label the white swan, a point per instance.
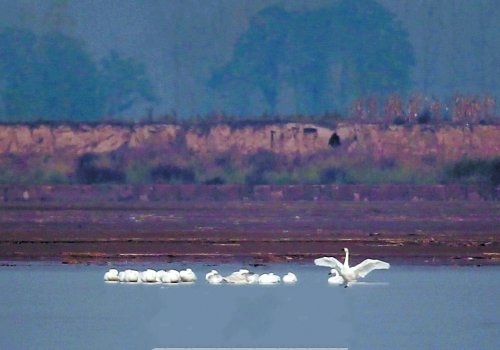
(269, 278)
(351, 274)
(131, 276)
(210, 273)
(111, 275)
(148, 276)
(160, 274)
(187, 275)
(238, 277)
(121, 276)
(252, 278)
(171, 276)
(289, 278)
(214, 277)
(335, 278)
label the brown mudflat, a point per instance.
(423, 232)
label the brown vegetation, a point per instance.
(462, 109)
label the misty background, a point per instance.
(189, 49)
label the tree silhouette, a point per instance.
(124, 82)
(328, 56)
(18, 73)
(68, 85)
(257, 58)
(52, 77)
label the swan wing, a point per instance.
(328, 261)
(364, 268)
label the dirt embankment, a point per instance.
(406, 144)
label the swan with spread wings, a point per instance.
(351, 274)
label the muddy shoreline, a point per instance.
(404, 232)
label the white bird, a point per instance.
(160, 274)
(128, 276)
(187, 275)
(132, 276)
(351, 274)
(252, 278)
(121, 276)
(111, 275)
(238, 277)
(171, 276)
(335, 278)
(213, 277)
(269, 278)
(210, 273)
(148, 276)
(289, 278)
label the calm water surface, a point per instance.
(407, 307)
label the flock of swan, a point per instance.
(340, 273)
(150, 276)
(242, 276)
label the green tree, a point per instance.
(18, 74)
(376, 50)
(328, 56)
(257, 59)
(124, 82)
(311, 52)
(69, 88)
(52, 77)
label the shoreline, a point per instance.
(399, 262)
(409, 233)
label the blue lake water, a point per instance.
(46, 306)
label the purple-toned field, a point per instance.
(433, 232)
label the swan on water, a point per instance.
(148, 276)
(252, 278)
(351, 274)
(289, 278)
(335, 278)
(128, 276)
(131, 276)
(187, 275)
(269, 278)
(171, 276)
(121, 276)
(160, 274)
(238, 277)
(210, 273)
(214, 277)
(111, 275)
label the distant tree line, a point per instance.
(351, 59)
(327, 57)
(52, 77)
